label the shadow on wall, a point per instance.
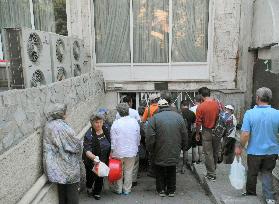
(263, 77)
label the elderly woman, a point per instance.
(96, 148)
(62, 153)
(125, 139)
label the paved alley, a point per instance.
(188, 191)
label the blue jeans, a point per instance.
(264, 164)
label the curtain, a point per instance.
(14, 13)
(151, 31)
(44, 18)
(60, 17)
(190, 30)
(112, 27)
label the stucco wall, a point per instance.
(226, 19)
(22, 118)
(23, 111)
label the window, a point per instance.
(48, 15)
(14, 13)
(112, 26)
(151, 31)
(189, 31)
(150, 24)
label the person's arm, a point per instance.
(138, 133)
(150, 135)
(184, 135)
(198, 122)
(145, 114)
(113, 137)
(87, 146)
(245, 134)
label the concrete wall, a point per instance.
(244, 73)
(22, 118)
(79, 24)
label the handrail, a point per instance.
(31, 194)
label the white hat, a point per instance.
(153, 97)
(163, 102)
(229, 107)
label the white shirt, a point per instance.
(194, 109)
(132, 113)
(233, 133)
(125, 137)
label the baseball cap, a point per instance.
(163, 102)
(229, 107)
(152, 97)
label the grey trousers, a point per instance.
(211, 146)
(136, 169)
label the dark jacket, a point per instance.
(189, 117)
(166, 135)
(91, 143)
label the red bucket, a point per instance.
(115, 172)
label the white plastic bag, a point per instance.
(101, 169)
(237, 174)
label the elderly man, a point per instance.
(166, 135)
(125, 139)
(260, 128)
(132, 112)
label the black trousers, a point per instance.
(92, 178)
(68, 193)
(264, 164)
(165, 178)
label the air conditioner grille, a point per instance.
(76, 50)
(38, 78)
(61, 74)
(34, 47)
(60, 50)
(77, 70)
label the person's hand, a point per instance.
(96, 160)
(198, 137)
(238, 151)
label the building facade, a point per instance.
(141, 47)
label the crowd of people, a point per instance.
(153, 137)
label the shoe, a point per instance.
(211, 178)
(248, 194)
(162, 194)
(125, 193)
(97, 197)
(134, 184)
(171, 194)
(270, 201)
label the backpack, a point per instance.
(224, 121)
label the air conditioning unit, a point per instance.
(29, 54)
(77, 56)
(60, 57)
